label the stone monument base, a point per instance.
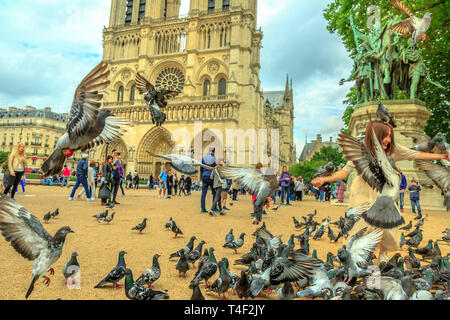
(409, 116)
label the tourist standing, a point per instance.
(209, 160)
(188, 185)
(65, 176)
(104, 192)
(17, 163)
(150, 182)
(82, 176)
(285, 180)
(163, 183)
(299, 189)
(219, 183)
(414, 196)
(403, 185)
(117, 174)
(169, 183)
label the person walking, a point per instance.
(17, 163)
(414, 196)
(169, 184)
(163, 183)
(82, 176)
(65, 176)
(209, 160)
(128, 181)
(182, 185)
(285, 180)
(235, 189)
(150, 182)
(403, 185)
(188, 185)
(104, 192)
(117, 174)
(292, 188)
(299, 189)
(136, 182)
(175, 184)
(91, 180)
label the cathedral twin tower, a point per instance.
(212, 56)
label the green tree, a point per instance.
(435, 50)
(306, 169)
(328, 154)
(3, 156)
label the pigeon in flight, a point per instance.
(88, 126)
(380, 173)
(414, 26)
(385, 115)
(440, 176)
(181, 163)
(156, 99)
(254, 182)
(30, 239)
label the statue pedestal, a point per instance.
(409, 116)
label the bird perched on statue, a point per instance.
(262, 185)
(380, 173)
(116, 274)
(413, 26)
(236, 243)
(156, 99)
(141, 226)
(135, 291)
(182, 163)
(185, 250)
(440, 176)
(151, 274)
(88, 126)
(384, 114)
(30, 239)
(71, 268)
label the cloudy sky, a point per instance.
(47, 46)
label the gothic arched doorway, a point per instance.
(119, 145)
(158, 141)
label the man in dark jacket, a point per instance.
(117, 175)
(210, 160)
(82, 175)
(403, 185)
(188, 185)
(414, 196)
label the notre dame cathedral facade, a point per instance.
(212, 57)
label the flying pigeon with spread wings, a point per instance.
(156, 99)
(182, 163)
(440, 176)
(88, 126)
(414, 26)
(30, 239)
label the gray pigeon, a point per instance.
(320, 281)
(413, 25)
(325, 170)
(236, 243)
(182, 163)
(185, 250)
(380, 173)
(135, 291)
(285, 292)
(169, 223)
(116, 274)
(440, 176)
(47, 217)
(151, 274)
(30, 239)
(392, 289)
(101, 215)
(229, 237)
(88, 126)
(141, 226)
(109, 218)
(256, 183)
(71, 268)
(384, 114)
(182, 266)
(156, 99)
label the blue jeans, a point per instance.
(285, 190)
(402, 200)
(206, 183)
(321, 195)
(415, 203)
(83, 181)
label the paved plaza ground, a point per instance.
(98, 244)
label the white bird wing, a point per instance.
(111, 132)
(22, 229)
(361, 247)
(438, 174)
(248, 178)
(418, 138)
(86, 101)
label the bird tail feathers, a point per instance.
(30, 289)
(384, 214)
(54, 164)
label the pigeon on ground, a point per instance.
(221, 284)
(325, 170)
(445, 238)
(196, 292)
(320, 281)
(207, 270)
(185, 250)
(415, 240)
(413, 233)
(182, 266)
(357, 252)
(229, 237)
(384, 114)
(352, 216)
(254, 182)
(331, 235)
(109, 218)
(440, 176)
(275, 208)
(402, 240)
(286, 292)
(30, 239)
(101, 215)
(55, 213)
(392, 288)
(195, 254)
(174, 228)
(236, 243)
(425, 250)
(116, 274)
(297, 224)
(203, 259)
(421, 295)
(141, 226)
(47, 217)
(151, 274)
(380, 173)
(135, 291)
(169, 224)
(420, 223)
(413, 26)
(182, 163)
(71, 268)
(88, 126)
(243, 285)
(411, 261)
(407, 227)
(156, 99)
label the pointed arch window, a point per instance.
(222, 87)
(132, 92)
(120, 94)
(206, 87)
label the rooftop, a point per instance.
(31, 112)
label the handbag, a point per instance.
(105, 191)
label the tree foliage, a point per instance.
(329, 154)
(3, 156)
(435, 50)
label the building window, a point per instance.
(141, 10)
(222, 87)
(120, 95)
(206, 87)
(132, 91)
(211, 5)
(129, 12)
(225, 5)
(34, 162)
(165, 9)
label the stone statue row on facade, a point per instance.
(385, 61)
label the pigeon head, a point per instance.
(343, 254)
(75, 254)
(122, 253)
(242, 235)
(62, 233)
(226, 262)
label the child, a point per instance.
(414, 190)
